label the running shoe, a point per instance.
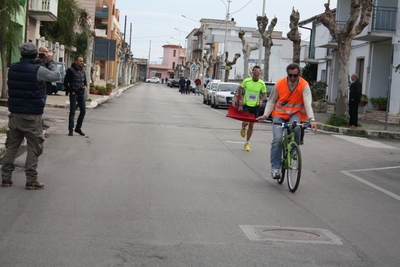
(243, 132)
(247, 147)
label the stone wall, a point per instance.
(376, 115)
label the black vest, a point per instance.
(25, 92)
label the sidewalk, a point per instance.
(57, 101)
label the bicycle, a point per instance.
(291, 156)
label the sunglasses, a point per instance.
(293, 75)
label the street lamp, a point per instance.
(226, 29)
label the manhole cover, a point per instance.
(290, 234)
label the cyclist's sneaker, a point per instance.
(276, 173)
(247, 147)
(243, 132)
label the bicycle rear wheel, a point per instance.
(283, 169)
(294, 168)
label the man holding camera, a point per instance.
(45, 59)
(75, 83)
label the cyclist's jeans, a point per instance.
(276, 145)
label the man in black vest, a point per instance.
(76, 84)
(26, 103)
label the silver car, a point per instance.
(223, 94)
(211, 86)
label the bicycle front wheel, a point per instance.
(283, 169)
(294, 168)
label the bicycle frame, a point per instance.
(291, 156)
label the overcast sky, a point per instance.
(156, 20)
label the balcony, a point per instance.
(101, 13)
(43, 10)
(101, 33)
(329, 41)
(382, 25)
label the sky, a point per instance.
(153, 23)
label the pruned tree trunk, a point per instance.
(246, 49)
(4, 71)
(229, 64)
(294, 35)
(360, 10)
(267, 40)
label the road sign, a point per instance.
(194, 66)
(252, 60)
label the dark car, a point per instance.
(174, 82)
(269, 89)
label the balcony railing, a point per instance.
(101, 12)
(43, 10)
(384, 18)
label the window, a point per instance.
(174, 53)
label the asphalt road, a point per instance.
(163, 180)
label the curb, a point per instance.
(360, 132)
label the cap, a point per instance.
(28, 49)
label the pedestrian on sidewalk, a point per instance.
(182, 84)
(188, 83)
(354, 100)
(198, 84)
(75, 83)
(26, 89)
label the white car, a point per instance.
(223, 94)
(211, 86)
(153, 80)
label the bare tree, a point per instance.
(360, 16)
(294, 35)
(262, 22)
(229, 64)
(246, 49)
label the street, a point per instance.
(160, 179)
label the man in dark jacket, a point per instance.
(26, 103)
(354, 100)
(182, 84)
(76, 84)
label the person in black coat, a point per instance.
(354, 100)
(188, 82)
(182, 85)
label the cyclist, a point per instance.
(251, 101)
(290, 100)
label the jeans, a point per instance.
(198, 89)
(73, 101)
(276, 145)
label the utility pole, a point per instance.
(261, 40)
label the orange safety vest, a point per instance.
(294, 100)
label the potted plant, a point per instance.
(379, 103)
(318, 91)
(102, 90)
(95, 90)
(363, 100)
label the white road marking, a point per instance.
(355, 177)
(364, 141)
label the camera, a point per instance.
(284, 103)
(42, 56)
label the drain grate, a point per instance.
(289, 234)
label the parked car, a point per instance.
(211, 86)
(223, 94)
(174, 82)
(192, 86)
(153, 80)
(269, 86)
(59, 85)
